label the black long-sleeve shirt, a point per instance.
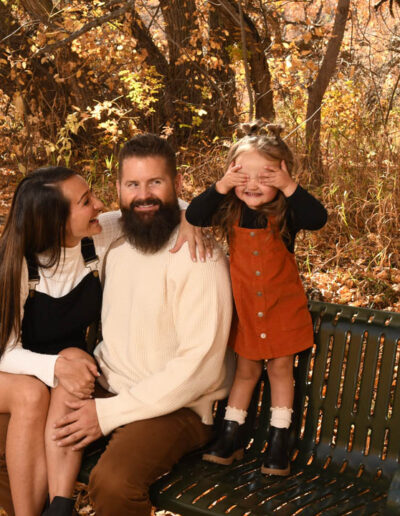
(304, 212)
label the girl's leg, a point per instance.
(230, 445)
(280, 374)
(26, 399)
(63, 463)
(246, 377)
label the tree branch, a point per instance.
(96, 22)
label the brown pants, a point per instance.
(5, 493)
(137, 455)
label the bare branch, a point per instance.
(96, 22)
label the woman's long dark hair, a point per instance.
(36, 223)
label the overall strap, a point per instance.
(89, 255)
(33, 274)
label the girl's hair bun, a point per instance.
(259, 127)
(252, 128)
(275, 130)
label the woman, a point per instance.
(51, 254)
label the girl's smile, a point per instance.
(254, 193)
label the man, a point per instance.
(165, 324)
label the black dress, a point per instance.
(52, 324)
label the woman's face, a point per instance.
(84, 209)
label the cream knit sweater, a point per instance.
(165, 323)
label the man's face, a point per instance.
(148, 201)
(145, 184)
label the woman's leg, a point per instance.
(63, 463)
(5, 491)
(26, 399)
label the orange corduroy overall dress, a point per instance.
(273, 318)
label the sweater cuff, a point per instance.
(105, 414)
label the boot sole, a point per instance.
(273, 471)
(238, 454)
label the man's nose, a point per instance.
(142, 192)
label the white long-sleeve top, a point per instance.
(165, 323)
(57, 282)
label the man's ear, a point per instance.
(178, 183)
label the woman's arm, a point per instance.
(50, 369)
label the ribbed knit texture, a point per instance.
(166, 323)
(57, 282)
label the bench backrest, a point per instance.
(347, 402)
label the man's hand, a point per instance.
(76, 375)
(198, 242)
(78, 428)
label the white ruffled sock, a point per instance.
(235, 414)
(281, 417)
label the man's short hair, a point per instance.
(148, 145)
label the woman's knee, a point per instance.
(30, 396)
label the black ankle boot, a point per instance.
(276, 460)
(60, 506)
(228, 446)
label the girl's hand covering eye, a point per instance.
(233, 177)
(278, 177)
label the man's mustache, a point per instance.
(145, 202)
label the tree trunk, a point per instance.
(259, 71)
(317, 90)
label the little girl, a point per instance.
(260, 209)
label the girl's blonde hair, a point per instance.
(265, 139)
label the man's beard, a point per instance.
(149, 232)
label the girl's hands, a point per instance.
(279, 178)
(233, 177)
(76, 375)
(199, 243)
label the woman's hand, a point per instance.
(76, 375)
(199, 244)
(279, 178)
(233, 177)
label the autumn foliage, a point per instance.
(79, 77)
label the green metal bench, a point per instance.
(346, 432)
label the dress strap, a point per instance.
(33, 273)
(89, 255)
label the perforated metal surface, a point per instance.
(346, 431)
